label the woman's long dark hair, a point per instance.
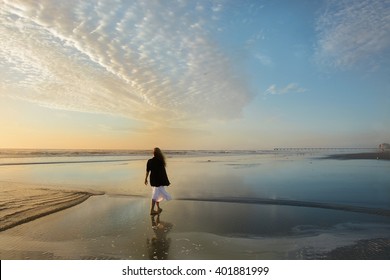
(159, 155)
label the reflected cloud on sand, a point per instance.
(158, 245)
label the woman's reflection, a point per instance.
(158, 245)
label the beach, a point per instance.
(385, 155)
(236, 205)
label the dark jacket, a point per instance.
(158, 174)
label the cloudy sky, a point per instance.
(184, 74)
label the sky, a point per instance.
(181, 74)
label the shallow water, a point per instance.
(209, 218)
(260, 175)
(280, 177)
(112, 227)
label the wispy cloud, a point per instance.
(290, 88)
(354, 32)
(151, 60)
(264, 59)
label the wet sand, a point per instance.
(372, 249)
(21, 204)
(379, 155)
(119, 227)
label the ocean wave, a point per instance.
(26, 153)
(62, 162)
(21, 205)
(10, 157)
(34, 153)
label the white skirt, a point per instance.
(159, 194)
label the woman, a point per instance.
(158, 180)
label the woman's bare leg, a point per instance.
(159, 210)
(152, 211)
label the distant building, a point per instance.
(384, 146)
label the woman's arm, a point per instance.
(146, 177)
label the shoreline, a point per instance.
(377, 155)
(293, 203)
(23, 205)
